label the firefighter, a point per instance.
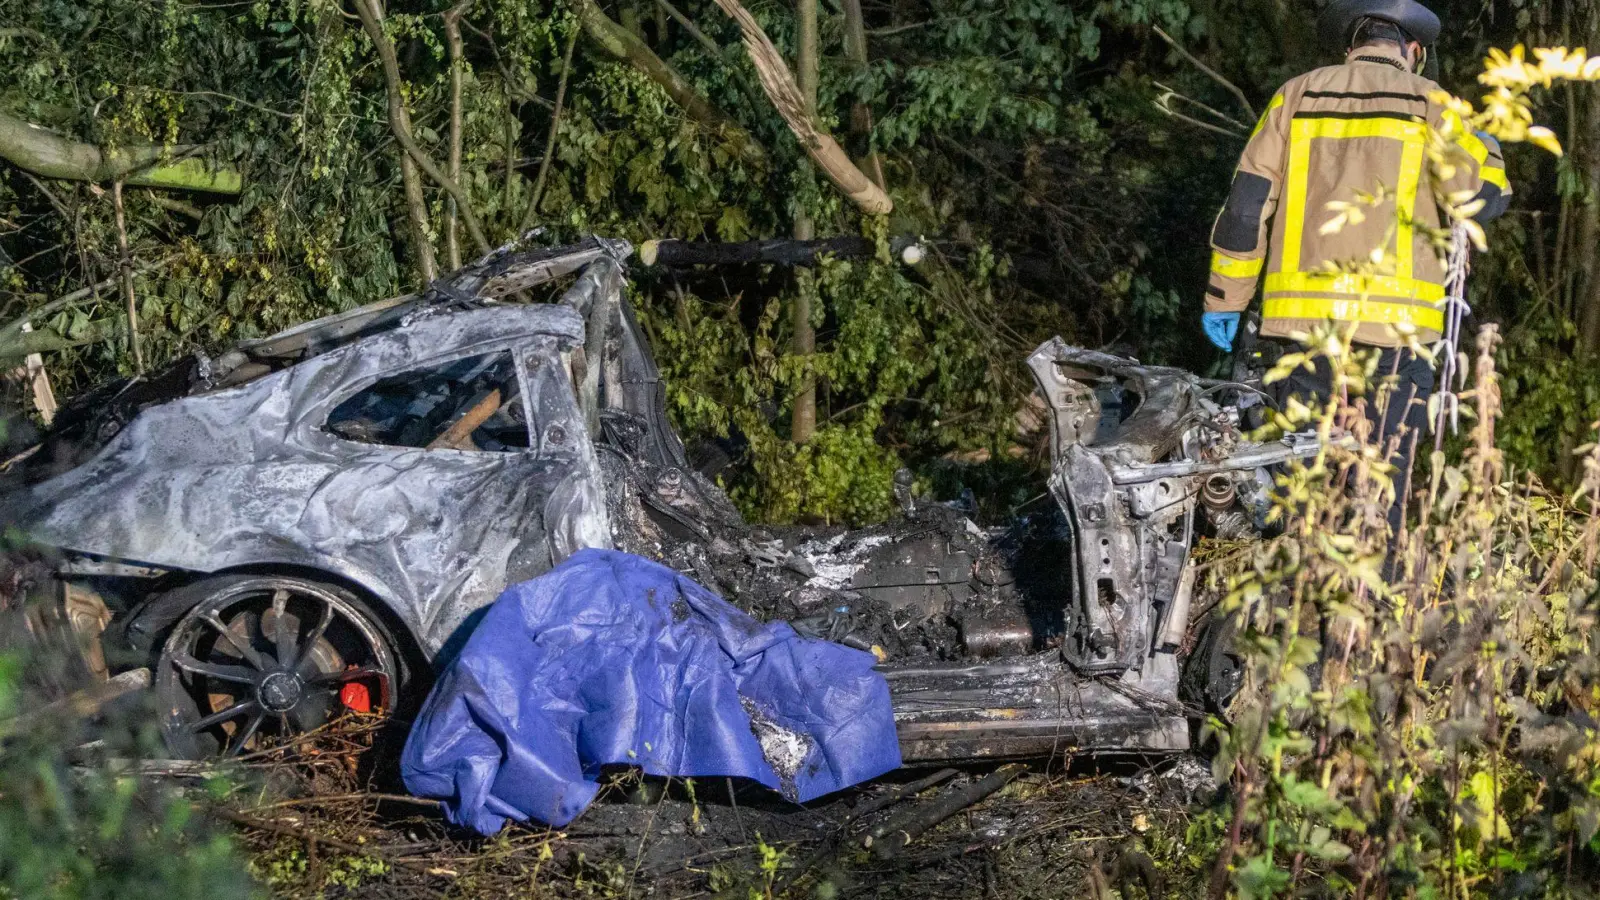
(1331, 135)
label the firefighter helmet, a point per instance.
(1338, 20)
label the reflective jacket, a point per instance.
(1326, 136)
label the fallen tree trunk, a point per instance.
(790, 102)
(623, 44)
(778, 251)
(46, 153)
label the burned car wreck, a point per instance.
(310, 521)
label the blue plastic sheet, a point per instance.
(613, 659)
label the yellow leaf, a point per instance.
(1544, 137)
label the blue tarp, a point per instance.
(613, 659)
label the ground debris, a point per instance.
(316, 826)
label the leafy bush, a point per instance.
(1416, 721)
(76, 832)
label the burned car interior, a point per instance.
(311, 519)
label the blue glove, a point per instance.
(1220, 327)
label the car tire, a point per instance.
(1214, 671)
(252, 660)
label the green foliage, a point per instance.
(903, 361)
(1552, 399)
(70, 833)
(1404, 724)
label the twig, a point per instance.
(550, 139)
(48, 194)
(356, 795)
(178, 206)
(1231, 87)
(901, 832)
(221, 96)
(295, 831)
(1196, 122)
(733, 802)
(125, 264)
(882, 801)
(1170, 94)
(700, 37)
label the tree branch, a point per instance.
(125, 265)
(400, 119)
(623, 44)
(855, 49)
(43, 152)
(550, 140)
(452, 37)
(1230, 86)
(786, 97)
(9, 330)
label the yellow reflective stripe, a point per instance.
(1475, 147)
(1399, 129)
(1294, 193)
(1405, 202)
(1228, 267)
(1494, 175)
(1303, 131)
(1378, 312)
(1277, 101)
(1354, 284)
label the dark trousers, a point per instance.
(1406, 413)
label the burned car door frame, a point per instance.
(514, 513)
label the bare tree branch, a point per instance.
(452, 38)
(1230, 86)
(786, 96)
(623, 44)
(400, 120)
(550, 140)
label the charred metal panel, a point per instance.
(1108, 631)
(249, 476)
(1033, 707)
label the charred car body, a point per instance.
(303, 523)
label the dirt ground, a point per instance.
(317, 825)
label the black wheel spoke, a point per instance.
(283, 635)
(311, 640)
(278, 663)
(243, 735)
(219, 671)
(217, 718)
(243, 646)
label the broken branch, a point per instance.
(672, 253)
(623, 44)
(1163, 103)
(1212, 73)
(43, 152)
(790, 103)
(899, 833)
